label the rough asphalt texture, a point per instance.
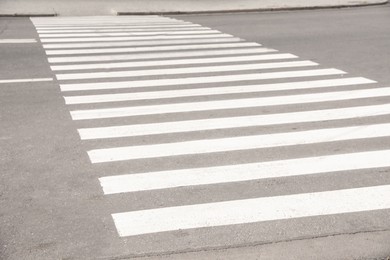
(102, 7)
(52, 205)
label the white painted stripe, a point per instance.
(18, 40)
(70, 19)
(25, 80)
(95, 18)
(238, 143)
(252, 210)
(244, 172)
(143, 56)
(108, 34)
(108, 23)
(193, 27)
(50, 25)
(208, 69)
(53, 24)
(133, 38)
(138, 64)
(76, 22)
(103, 21)
(147, 95)
(137, 43)
(154, 48)
(138, 26)
(198, 80)
(74, 19)
(231, 122)
(227, 104)
(38, 19)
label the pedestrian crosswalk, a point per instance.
(184, 79)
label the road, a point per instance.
(234, 136)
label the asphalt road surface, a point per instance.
(234, 136)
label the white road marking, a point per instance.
(162, 94)
(193, 27)
(252, 210)
(68, 19)
(198, 80)
(18, 40)
(137, 43)
(227, 104)
(238, 143)
(144, 56)
(90, 19)
(154, 48)
(244, 172)
(25, 80)
(75, 33)
(190, 70)
(107, 23)
(103, 21)
(133, 38)
(124, 25)
(113, 34)
(155, 63)
(231, 122)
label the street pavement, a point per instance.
(113, 7)
(196, 137)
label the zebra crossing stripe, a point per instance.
(107, 34)
(185, 28)
(252, 210)
(245, 172)
(190, 70)
(238, 143)
(93, 19)
(227, 104)
(231, 122)
(102, 20)
(115, 26)
(132, 38)
(138, 43)
(144, 56)
(154, 63)
(102, 23)
(154, 48)
(163, 94)
(199, 80)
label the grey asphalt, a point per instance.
(112, 7)
(52, 206)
